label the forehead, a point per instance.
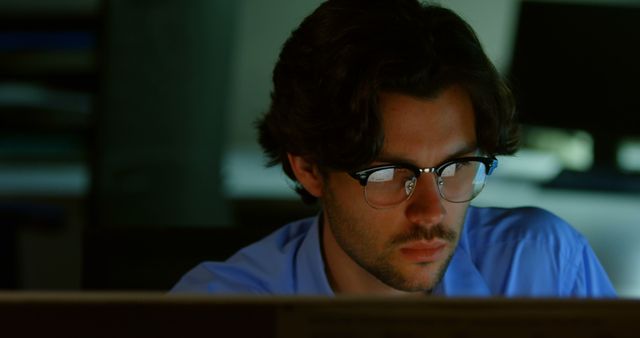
(427, 131)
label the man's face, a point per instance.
(406, 247)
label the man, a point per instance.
(390, 114)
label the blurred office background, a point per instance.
(128, 153)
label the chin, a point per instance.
(422, 276)
(422, 282)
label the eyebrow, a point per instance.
(468, 149)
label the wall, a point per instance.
(161, 119)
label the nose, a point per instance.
(425, 207)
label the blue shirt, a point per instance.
(522, 252)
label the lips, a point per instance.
(424, 251)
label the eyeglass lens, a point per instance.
(457, 182)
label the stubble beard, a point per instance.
(380, 264)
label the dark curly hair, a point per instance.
(331, 70)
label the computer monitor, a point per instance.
(577, 66)
(159, 315)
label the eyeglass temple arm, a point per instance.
(492, 166)
(361, 178)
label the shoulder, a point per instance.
(525, 251)
(490, 226)
(264, 267)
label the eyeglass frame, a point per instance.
(362, 176)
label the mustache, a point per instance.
(418, 233)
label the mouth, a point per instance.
(424, 251)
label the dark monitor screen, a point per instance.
(156, 315)
(577, 66)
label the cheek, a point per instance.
(359, 222)
(345, 191)
(455, 215)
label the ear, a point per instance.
(307, 173)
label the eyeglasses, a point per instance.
(458, 180)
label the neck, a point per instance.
(345, 275)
